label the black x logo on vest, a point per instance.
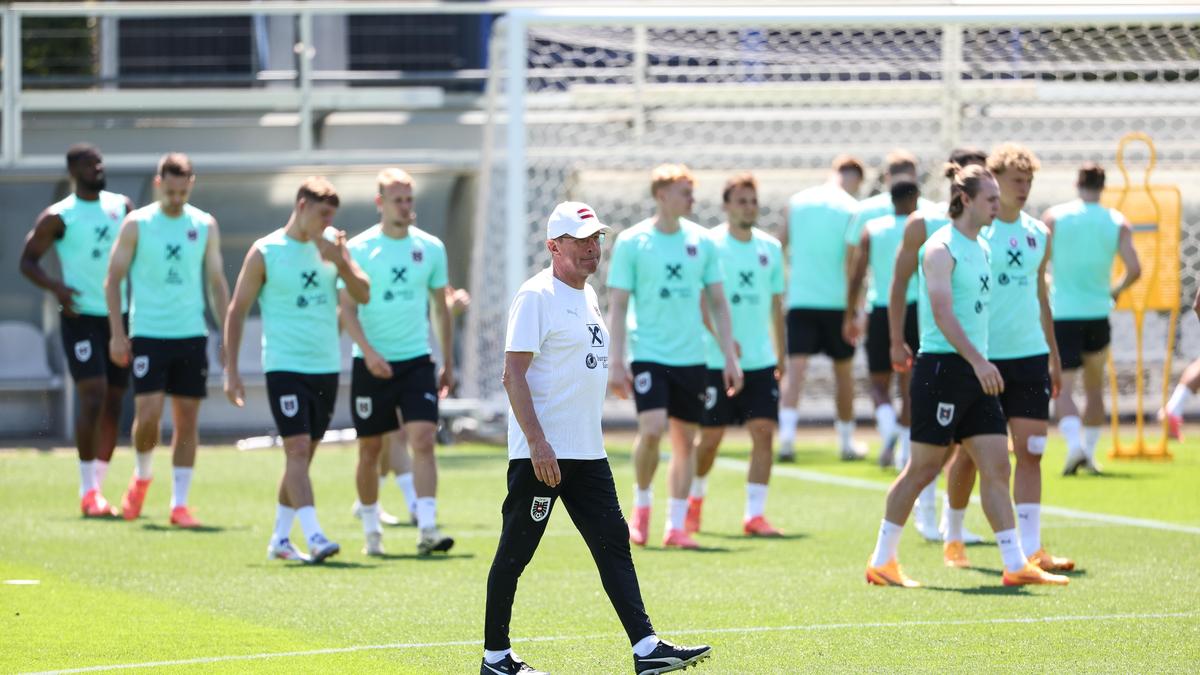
(597, 338)
(310, 279)
(1014, 258)
(674, 271)
(983, 283)
(102, 233)
(747, 278)
(173, 251)
(398, 274)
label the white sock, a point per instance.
(1091, 437)
(885, 422)
(928, 497)
(887, 544)
(1069, 427)
(756, 500)
(646, 645)
(905, 447)
(101, 473)
(788, 419)
(426, 512)
(182, 483)
(404, 481)
(87, 476)
(699, 487)
(676, 513)
(284, 517)
(845, 433)
(370, 518)
(308, 522)
(144, 460)
(954, 524)
(1029, 524)
(642, 498)
(1010, 550)
(1179, 399)
(494, 655)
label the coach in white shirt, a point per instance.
(556, 375)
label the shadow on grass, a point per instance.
(796, 536)
(981, 590)
(424, 558)
(202, 529)
(702, 549)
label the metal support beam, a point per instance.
(10, 134)
(304, 53)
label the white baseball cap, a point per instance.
(575, 219)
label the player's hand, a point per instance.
(780, 369)
(445, 382)
(851, 329)
(902, 357)
(989, 377)
(545, 462)
(377, 365)
(1055, 375)
(333, 251)
(459, 300)
(119, 348)
(619, 381)
(732, 377)
(66, 299)
(234, 391)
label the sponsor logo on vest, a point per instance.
(590, 361)
(289, 405)
(539, 509)
(945, 414)
(83, 350)
(362, 406)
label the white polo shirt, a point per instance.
(568, 376)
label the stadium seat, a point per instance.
(30, 404)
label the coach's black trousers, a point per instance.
(588, 493)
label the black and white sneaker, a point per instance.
(511, 664)
(667, 657)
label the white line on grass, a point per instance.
(876, 486)
(694, 631)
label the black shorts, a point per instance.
(758, 399)
(1026, 387)
(817, 331)
(679, 389)
(412, 389)
(948, 403)
(85, 342)
(302, 403)
(879, 341)
(177, 366)
(1077, 337)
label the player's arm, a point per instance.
(118, 268)
(1047, 319)
(214, 269)
(545, 463)
(779, 334)
(939, 264)
(719, 306)
(348, 320)
(854, 285)
(249, 284)
(48, 228)
(1196, 304)
(618, 378)
(444, 321)
(902, 272)
(1129, 256)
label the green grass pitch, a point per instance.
(119, 594)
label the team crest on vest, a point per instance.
(539, 509)
(691, 250)
(418, 255)
(83, 350)
(641, 383)
(710, 398)
(141, 365)
(762, 259)
(192, 234)
(1031, 240)
(289, 405)
(945, 414)
(363, 406)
